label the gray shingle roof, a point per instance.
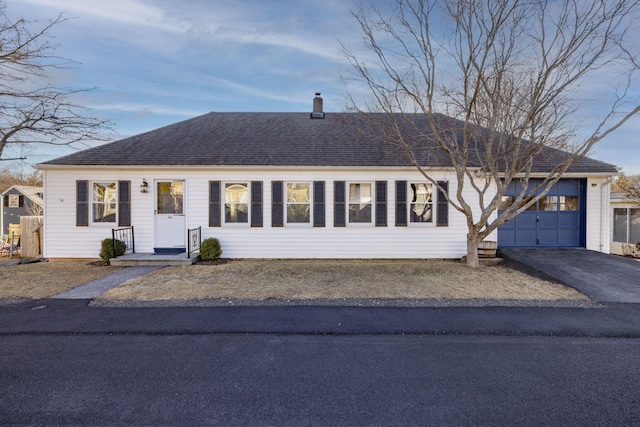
(271, 139)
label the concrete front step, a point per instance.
(151, 259)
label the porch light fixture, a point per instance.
(144, 186)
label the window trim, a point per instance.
(628, 210)
(223, 188)
(286, 203)
(433, 203)
(92, 203)
(372, 204)
(14, 197)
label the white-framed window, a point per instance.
(360, 202)
(14, 200)
(104, 202)
(559, 203)
(236, 203)
(420, 202)
(298, 203)
(626, 225)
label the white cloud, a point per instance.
(310, 45)
(146, 108)
(260, 93)
(223, 24)
(125, 11)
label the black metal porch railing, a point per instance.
(194, 240)
(125, 235)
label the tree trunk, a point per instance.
(472, 251)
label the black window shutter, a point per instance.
(339, 206)
(82, 203)
(277, 212)
(215, 219)
(401, 203)
(381, 203)
(6, 201)
(124, 203)
(256, 203)
(21, 201)
(442, 219)
(318, 204)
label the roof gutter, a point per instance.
(44, 166)
(224, 167)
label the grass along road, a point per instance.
(45, 279)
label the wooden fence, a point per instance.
(30, 236)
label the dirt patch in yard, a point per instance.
(338, 279)
(45, 279)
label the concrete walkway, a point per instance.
(96, 287)
(602, 277)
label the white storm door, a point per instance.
(170, 222)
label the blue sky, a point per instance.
(157, 62)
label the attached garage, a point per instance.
(557, 220)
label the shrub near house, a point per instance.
(210, 249)
(106, 253)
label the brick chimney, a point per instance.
(317, 107)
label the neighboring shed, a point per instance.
(625, 220)
(18, 201)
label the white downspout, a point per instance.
(604, 215)
(43, 230)
(2, 216)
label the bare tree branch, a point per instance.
(32, 109)
(629, 185)
(494, 87)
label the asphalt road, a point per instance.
(297, 380)
(75, 317)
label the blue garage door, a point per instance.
(556, 221)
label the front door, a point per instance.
(170, 222)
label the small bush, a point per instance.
(107, 249)
(210, 249)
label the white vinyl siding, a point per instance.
(63, 239)
(597, 214)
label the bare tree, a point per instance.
(630, 185)
(18, 176)
(32, 109)
(494, 88)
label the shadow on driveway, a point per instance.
(602, 277)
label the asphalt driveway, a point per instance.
(602, 277)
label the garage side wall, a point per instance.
(597, 215)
